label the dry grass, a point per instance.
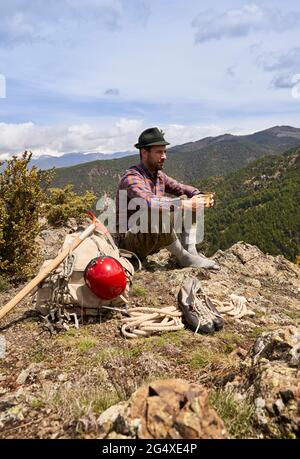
(238, 416)
(86, 397)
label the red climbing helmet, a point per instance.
(106, 278)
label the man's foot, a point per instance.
(186, 259)
(196, 261)
(188, 246)
(191, 249)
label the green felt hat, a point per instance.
(150, 137)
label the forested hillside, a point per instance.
(258, 204)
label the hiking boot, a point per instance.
(195, 311)
(215, 315)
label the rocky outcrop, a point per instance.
(164, 409)
(270, 377)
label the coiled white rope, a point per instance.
(145, 321)
(237, 307)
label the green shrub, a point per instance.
(63, 204)
(21, 205)
(4, 284)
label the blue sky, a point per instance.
(90, 76)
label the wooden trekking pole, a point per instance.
(47, 270)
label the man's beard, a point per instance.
(159, 167)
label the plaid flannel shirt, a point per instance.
(139, 182)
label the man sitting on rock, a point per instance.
(148, 182)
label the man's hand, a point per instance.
(196, 202)
(193, 204)
(209, 199)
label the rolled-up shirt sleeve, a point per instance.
(178, 189)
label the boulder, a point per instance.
(172, 408)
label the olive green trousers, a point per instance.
(158, 236)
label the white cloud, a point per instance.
(120, 136)
(233, 23)
(284, 66)
(178, 134)
(282, 81)
(32, 21)
(271, 61)
(15, 138)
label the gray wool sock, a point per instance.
(186, 259)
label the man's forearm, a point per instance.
(178, 189)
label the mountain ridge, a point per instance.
(74, 158)
(188, 163)
(266, 135)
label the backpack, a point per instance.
(65, 287)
